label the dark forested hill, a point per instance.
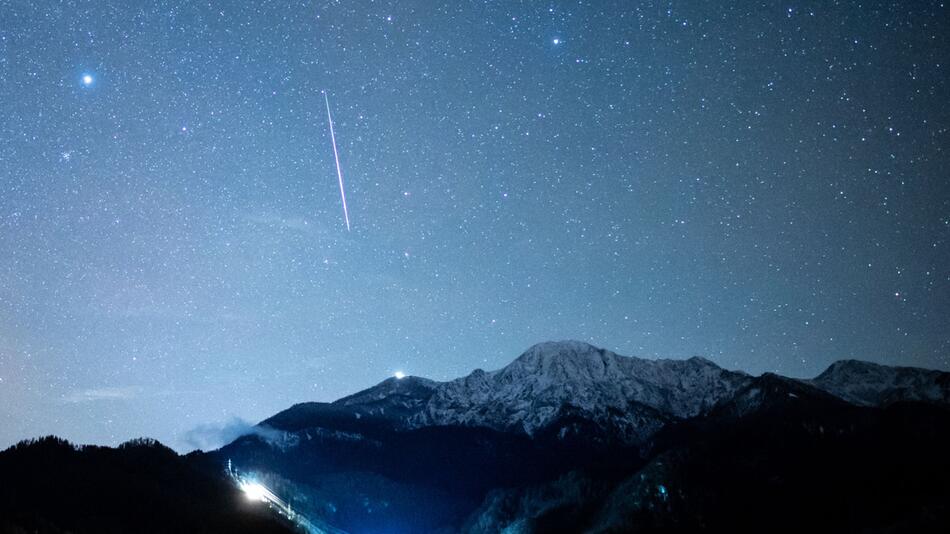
(50, 485)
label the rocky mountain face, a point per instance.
(871, 384)
(568, 426)
(633, 396)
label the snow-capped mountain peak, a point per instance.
(552, 378)
(562, 362)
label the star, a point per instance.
(638, 186)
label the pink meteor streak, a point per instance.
(336, 157)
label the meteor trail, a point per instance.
(336, 157)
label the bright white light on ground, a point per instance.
(399, 375)
(254, 492)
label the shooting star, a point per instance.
(336, 157)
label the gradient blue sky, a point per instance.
(761, 183)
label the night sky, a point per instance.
(766, 185)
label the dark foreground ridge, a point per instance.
(567, 438)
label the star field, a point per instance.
(764, 184)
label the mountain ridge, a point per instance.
(555, 378)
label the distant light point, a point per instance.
(87, 79)
(399, 375)
(556, 41)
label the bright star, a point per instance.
(87, 79)
(399, 375)
(556, 41)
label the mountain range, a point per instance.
(570, 437)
